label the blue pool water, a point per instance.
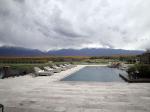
(97, 73)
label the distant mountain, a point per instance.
(19, 51)
(94, 52)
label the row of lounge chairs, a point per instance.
(48, 71)
(120, 66)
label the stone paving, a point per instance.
(47, 94)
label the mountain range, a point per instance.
(19, 51)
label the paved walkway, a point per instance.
(47, 94)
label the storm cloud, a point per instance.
(58, 24)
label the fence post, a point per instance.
(6, 70)
(2, 108)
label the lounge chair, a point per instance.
(60, 68)
(70, 65)
(57, 68)
(63, 67)
(47, 68)
(124, 67)
(40, 72)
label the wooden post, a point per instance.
(2, 107)
(6, 70)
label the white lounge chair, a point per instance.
(47, 68)
(40, 72)
(63, 67)
(58, 67)
(70, 65)
(74, 65)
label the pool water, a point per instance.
(97, 73)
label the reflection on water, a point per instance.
(100, 74)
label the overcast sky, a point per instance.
(57, 24)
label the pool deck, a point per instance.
(48, 94)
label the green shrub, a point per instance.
(142, 69)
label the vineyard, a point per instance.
(33, 60)
(46, 59)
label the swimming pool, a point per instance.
(95, 73)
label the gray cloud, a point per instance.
(56, 24)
